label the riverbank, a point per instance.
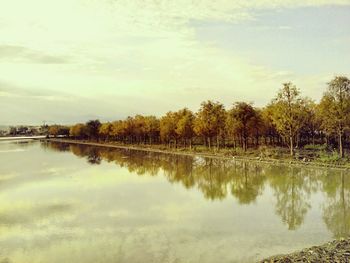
(13, 138)
(334, 251)
(221, 154)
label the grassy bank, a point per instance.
(309, 157)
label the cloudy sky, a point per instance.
(64, 61)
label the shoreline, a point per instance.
(334, 251)
(188, 152)
(21, 138)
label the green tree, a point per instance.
(287, 113)
(335, 109)
(312, 123)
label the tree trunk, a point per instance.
(341, 150)
(291, 146)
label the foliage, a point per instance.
(288, 113)
(241, 121)
(335, 109)
(210, 121)
(289, 119)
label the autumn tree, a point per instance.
(152, 128)
(105, 130)
(210, 121)
(139, 129)
(241, 120)
(287, 113)
(77, 131)
(168, 124)
(118, 130)
(54, 130)
(335, 109)
(184, 125)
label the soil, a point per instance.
(335, 251)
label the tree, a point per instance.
(287, 113)
(139, 128)
(335, 109)
(13, 131)
(105, 130)
(118, 130)
(269, 129)
(78, 131)
(54, 130)
(184, 126)
(92, 128)
(152, 128)
(312, 123)
(241, 120)
(210, 121)
(168, 125)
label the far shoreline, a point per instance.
(188, 152)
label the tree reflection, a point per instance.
(248, 182)
(292, 192)
(56, 146)
(216, 179)
(213, 177)
(336, 210)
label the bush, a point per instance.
(332, 157)
(270, 152)
(318, 147)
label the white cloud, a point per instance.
(142, 50)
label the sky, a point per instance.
(68, 61)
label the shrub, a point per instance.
(318, 147)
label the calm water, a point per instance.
(68, 203)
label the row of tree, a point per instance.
(288, 120)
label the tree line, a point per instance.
(289, 120)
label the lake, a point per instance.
(70, 203)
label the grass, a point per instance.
(317, 155)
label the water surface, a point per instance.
(69, 203)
